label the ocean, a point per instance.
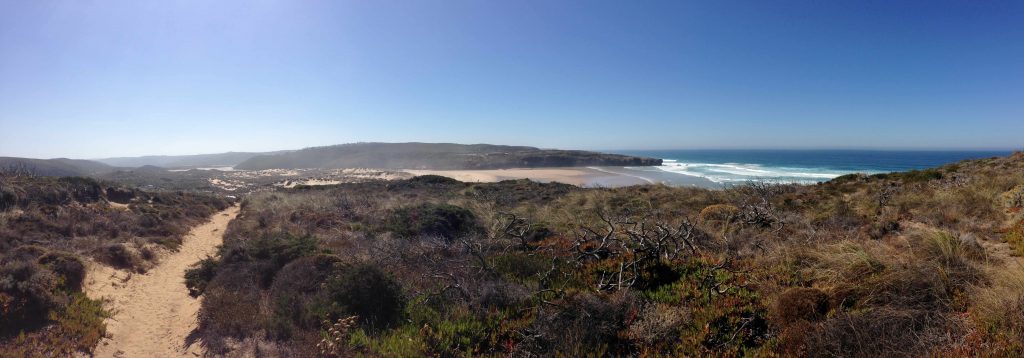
(725, 167)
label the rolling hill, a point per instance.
(55, 167)
(183, 161)
(436, 156)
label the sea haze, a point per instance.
(796, 166)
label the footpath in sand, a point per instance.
(153, 313)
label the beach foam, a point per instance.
(743, 172)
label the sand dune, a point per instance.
(577, 176)
(153, 313)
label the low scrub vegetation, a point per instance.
(905, 264)
(49, 227)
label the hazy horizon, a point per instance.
(620, 149)
(128, 78)
(612, 150)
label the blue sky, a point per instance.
(88, 79)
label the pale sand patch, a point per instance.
(118, 206)
(153, 313)
(575, 176)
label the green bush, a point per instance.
(296, 288)
(920, 175)
(434, 179)
(69, 269)
(28, 292)
(200, 274)
(433, 219)
(365, 291)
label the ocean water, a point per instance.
(796, 166)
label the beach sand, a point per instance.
(580, 176)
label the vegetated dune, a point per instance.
(153, 313)
(918, 263)
(436, 156)
(49, 228)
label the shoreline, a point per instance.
(587, 177)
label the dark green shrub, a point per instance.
(68, 268)
(521, 266)
(28, 292)
(120, 195)
(434, 179)
(200, 274)
(920, 175)
(295, 289)
(277, 249)
(433, 219)
(852, 177)
(8, 197)
(366, 291)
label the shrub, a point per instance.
(296, 287)
(269, 253)
(366, 291)
(1015, 237)
(520, 266)
(1013, 198)
(801, 303)
(81, 323)
(432, 219)
(583, 324)
(920, 175)
(879, 332)
(228, 312)
(720, 213)
(69, 269)
(24, 253)
(434, 179)
(656, 323)
(120, 195)
(28, 292)
(121, 256)
(200, 274)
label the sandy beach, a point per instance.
(580, 176)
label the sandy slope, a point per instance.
(153, 313)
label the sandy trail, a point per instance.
(153, 313)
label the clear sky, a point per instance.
(87, 79)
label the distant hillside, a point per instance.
(184, 161)
(436, 156)
(55, 167)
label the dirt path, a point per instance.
(153, 313)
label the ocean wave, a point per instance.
(744, 172)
